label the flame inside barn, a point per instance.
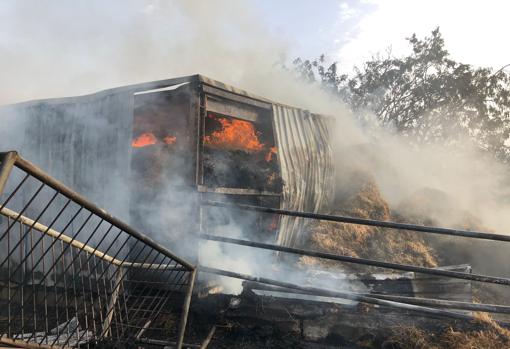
(149, 152)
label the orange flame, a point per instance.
(144, 140)
(170, 139)
(235, 135)
(269, 155)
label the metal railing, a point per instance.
(73, 275)
(423, 305)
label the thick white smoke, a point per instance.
(62, 48)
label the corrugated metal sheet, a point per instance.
(83, 141)
(305, 154)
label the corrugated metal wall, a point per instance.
(82, 141)
(305, 153)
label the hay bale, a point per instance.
(366, 201)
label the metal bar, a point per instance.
(51, 182)
(23, 272)
(185, 310)
(338, 294)
(103, 333)
(448, 304)
(105, 270)
(361, 221)
(9, 333)
(165, 343)
(32, 247)
(98, 292)
(69, 265)
(113, 300)
(208, 339)
(22, 211)
(75, 300)
(11, 195)
(90, 255)
(64, 250)
(175, 278)
(95, 271)
(18, 343)
(162, 294)
(488, 308)
(46, 324)
(62, 257)
(34, 294)
(143, 329)
(363, 261)
(141, 300)
(6, 164)
(54, 269)
(53, 242)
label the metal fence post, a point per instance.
(185, 309)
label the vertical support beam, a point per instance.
(185, 309)
(7, 162)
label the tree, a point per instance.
(426, 96)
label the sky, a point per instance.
(51, 48)
(475, 32)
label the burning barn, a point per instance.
(180, 159)
(140, 148)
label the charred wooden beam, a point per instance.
(361, 221)
(363, 261)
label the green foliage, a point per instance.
(426, 95)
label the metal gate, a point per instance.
(73, 275)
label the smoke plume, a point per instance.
(62, 48)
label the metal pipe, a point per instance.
(361, 221)
(75, 243)
(338, 294)
(18, 343)
(448, 304)
(82, 201)
(185, 309)
(209, 337)
(363, 261)
(165, 343)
